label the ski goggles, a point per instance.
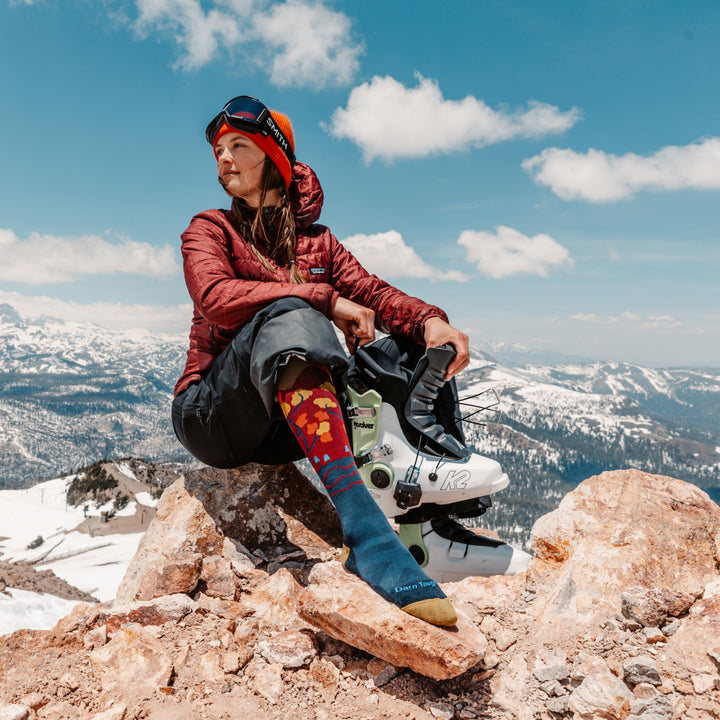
(248, 115)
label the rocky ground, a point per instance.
(25, 577)
(235, 605)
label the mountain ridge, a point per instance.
(76, 393)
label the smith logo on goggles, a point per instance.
(249, 115)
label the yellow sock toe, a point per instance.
(436, 611)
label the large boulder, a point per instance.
(270, 510)
(623, 533)
(266, 507)
(346, 608)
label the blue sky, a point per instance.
(548, 173)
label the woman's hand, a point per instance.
(357, 323)
(438, 332)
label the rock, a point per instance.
(275, 601)
(510, 689)
(239, 556)
(246, 632)
(231, 661)
(654, 635)
(218, 576)
(82, 618)
(688, 650)
(69, 681)
(641, 669)
(504, 639)
(624, 551)
(267, 680)
(559, 705)
(291, 649)
(133, 659)
(645, 691)
(651, 606)
(490, 659)
(601, 696)
(683, 686)
(228, 609)
(211, 666)
(615, 531)
(14, 712)
(326, 676)
(96, 637)
(346, 608)
(159, 610)
(552, 688)
(659, 708)
(441, 711)
(249, 505)
(381, 672)
(478, 597)
(181, 525)
(550, 668)
(703, 682)
(61, 710)
(172, 574)
(116, 712)
(35, 700)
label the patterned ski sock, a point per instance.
(373, 551)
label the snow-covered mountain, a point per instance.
(559, 424)
(73, 393)
(81, 533)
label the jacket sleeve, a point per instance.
(395, 312)
(223, 298)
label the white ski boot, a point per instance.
(401, 477)
(411, 454)
(448, 552)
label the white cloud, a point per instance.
(508, 252)
(387, 120)
(630, 321)
(299, 42)
(51, 259)
(197, 33)
(602, 177)
(311, 43)
(387, 255)
(169, 320)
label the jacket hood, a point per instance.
(306, 195)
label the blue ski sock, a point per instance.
(373, 551)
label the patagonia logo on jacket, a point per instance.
(317, 271)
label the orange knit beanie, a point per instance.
(267, 144)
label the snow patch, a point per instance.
(146, 499)
(124, 468)
(95, 565)
(25, 609)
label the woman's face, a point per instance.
(240, 166)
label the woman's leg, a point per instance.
(373, 550)
(231, 416)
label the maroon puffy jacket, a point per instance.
(228, 284)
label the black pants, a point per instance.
(231, 416)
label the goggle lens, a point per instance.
(243, 113)
(248, 114)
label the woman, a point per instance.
(266, 282)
